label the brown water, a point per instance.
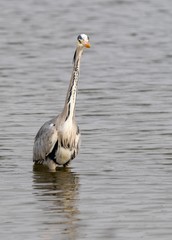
(120, 185)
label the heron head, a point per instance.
(83, 40)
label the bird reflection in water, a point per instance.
(57, 194)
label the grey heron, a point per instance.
(57, 141)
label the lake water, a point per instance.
(120, 185)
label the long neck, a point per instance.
(69, 107)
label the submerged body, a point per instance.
(57, 142)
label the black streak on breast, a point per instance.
(70, 92)
(52, 154)
(68, 113)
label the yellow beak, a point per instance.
(87, 45)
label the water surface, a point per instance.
(119, 186)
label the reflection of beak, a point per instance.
(87, 45)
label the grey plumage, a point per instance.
(58, 140)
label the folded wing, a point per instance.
(45, 141)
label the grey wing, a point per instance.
(45, 140)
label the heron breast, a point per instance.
(63, 155)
